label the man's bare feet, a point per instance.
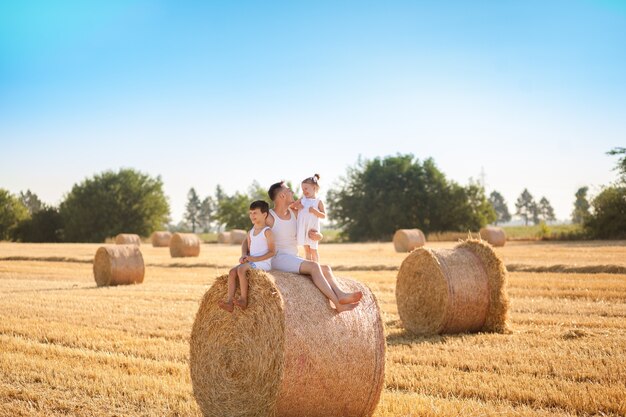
(345, 307)
(226, 305)
(351, 298)
(243, 304)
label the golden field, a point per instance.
(70, 348)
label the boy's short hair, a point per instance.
(261, 205)
(274, 189)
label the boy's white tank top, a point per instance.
(285, 233)
(258, 243)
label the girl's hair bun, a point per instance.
(316, 176)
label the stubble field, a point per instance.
(70, 348)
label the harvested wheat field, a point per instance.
(69, 347)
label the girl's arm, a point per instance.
(271, 248)
(296, 205)
(319, 212)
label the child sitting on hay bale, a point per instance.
(261, 250)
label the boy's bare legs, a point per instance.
(344, 297)
(232, 283)
(242, 301)
(313, 269)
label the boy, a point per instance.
(261, 250)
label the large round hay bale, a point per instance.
(118, 265)
(127, 239)
(237, 236)
(494, 235)
(161, 239)
(289, 353)
(184, 244)
(405, 240)
(453, 290)
(223, 237)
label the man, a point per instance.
(283, 223)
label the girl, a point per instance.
(310, 211)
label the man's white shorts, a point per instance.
(287, 263)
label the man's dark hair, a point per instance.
(274, 189)
(261, 205)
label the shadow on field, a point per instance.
(72, 288)
(405, 337)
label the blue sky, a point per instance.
(207, 93)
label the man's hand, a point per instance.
(315, 235)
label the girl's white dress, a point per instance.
(308, 221)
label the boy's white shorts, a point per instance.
(287, 263)
(265, 265)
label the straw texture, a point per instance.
(405, 240)
(453, 290)
(223, 237)
(161, 239)
(127, 239)
(237, 236)
(494, 235)
(184, 244)
(289, 353)
(118, 265)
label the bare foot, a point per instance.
(226, 305)
(243, 304)
(345, 307)
(350, 298)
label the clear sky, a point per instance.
(228, 92)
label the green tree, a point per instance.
(608, 209)
(379, 196)
(45, 225)
(608, 218)
(500, 207)
(581, 206)
(12, 211)
(546, 212)
(31, 201)
(114, 202)
(232, 211)
(193, 207)
(525, 207)
(206, 214)
(256, 192)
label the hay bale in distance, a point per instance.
(223, 237)
(127, 239)
(453, 290)
(237, 236)
(494, 235)
(161, 239)
(405, 240)
(118, 265)
(289, 353)
(184, 245)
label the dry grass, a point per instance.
(70, 348)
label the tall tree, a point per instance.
(232, 211)
(525, 207)
(546, 212)
(109, 203)
(31, 201)
(12, 211)
(621, 163)
(206, 214)
(500, 207)
(581, 206)
(193, 207)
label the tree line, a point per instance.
(374, 198)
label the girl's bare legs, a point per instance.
(232, 283)
(242, 301)
(307, 252)
(314, 255)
